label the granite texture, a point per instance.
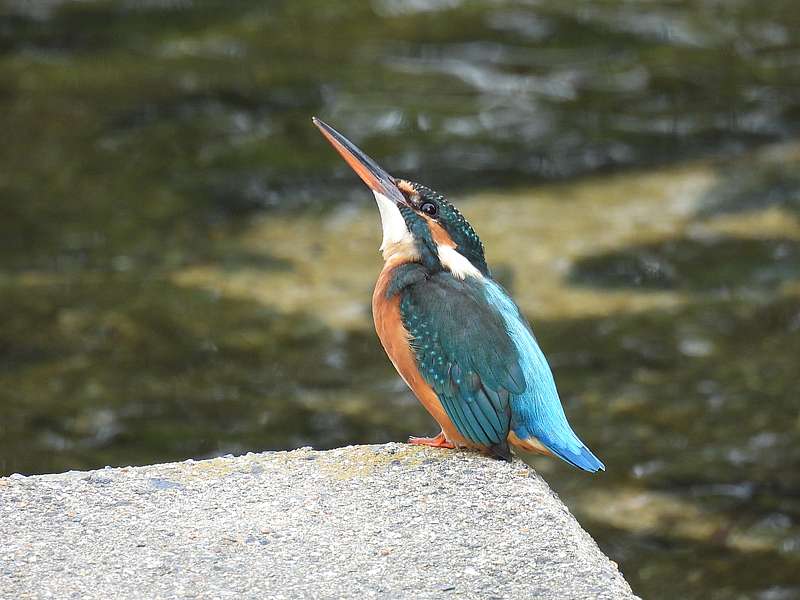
(390, 521)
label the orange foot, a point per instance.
(436, 442)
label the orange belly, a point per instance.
(395, 340)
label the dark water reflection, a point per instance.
(718, 263)
(146, 142)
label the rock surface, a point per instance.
(391, 521)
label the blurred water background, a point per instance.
(186, 265)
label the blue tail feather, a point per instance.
(582, 458)
(537, 412)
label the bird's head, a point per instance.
(418, 223)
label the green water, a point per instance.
(186, 266)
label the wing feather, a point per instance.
(465, 353)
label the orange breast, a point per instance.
(395, 340)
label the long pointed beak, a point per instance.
(371, 173)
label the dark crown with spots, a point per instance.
(458, 228)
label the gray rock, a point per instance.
(391, 521)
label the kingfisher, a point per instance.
(453, 333)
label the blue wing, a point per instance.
(466, 355)
(538, 412)
(479, 355)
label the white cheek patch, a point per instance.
(394, 226)
(456, 263)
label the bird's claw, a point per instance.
(440, 441)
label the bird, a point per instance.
(454, 334)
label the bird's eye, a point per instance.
(429, 208)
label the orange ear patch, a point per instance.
(439, 234)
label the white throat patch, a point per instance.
(394, 226)
(457, 263)
(398, 241)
